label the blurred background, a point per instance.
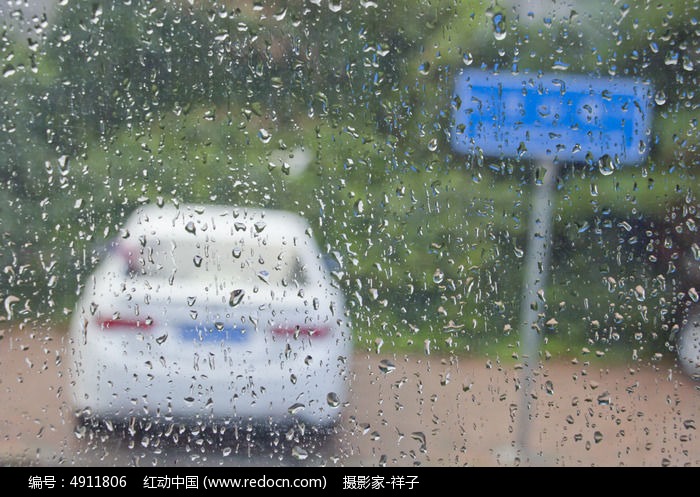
(341, 112)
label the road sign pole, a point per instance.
(537, 262)
(537, 117)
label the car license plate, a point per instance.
(214, 333)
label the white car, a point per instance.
(210, 313)
(689, 345)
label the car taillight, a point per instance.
(125, 324)
(305, 330)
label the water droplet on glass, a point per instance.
(279, 16)
(335, 5)
(8, 71)
(197, 259)
(299, 453)
(660, 97)
(549, 387)
(264, 276)
(190, 227)
(424, 68)
(259, 226)
(597, 437)
(438, 276)
(264, 135)
(433, 144)
(606, 166)
(161, 339)
(378, 342)
(419, 436)
(386, 366)
(332, 399)
(191, 301)
(522, 149)
(236, 297)
(499, 26)
(295, 408)
(10, 301)
(236, 252)
(693, 294)
(467, 59)
(639, 293)
(293, 379)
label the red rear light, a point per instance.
(125, 324)
(306, 330)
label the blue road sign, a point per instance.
(553, 117)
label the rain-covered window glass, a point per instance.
(324, 232)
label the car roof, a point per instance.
(195, 219)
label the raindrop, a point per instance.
(604, 399)
(236, 252)
(660, 97)
(197, 259)
(190, 227)
(226, 451)
(259, 226)
(424, 68)
(693, 294)
(161, 339)
(640, 293)
(438, 276)
(264, 276)
(499, 26)
(189, 400)
(264, 135)
(597, 437)
(335, 5)
(332, 399)
(359, 207)
(9, 303)
(433, 144)
(236, 297)
(378, 342)
(386, 366)
(295, 408)
(467, 59)
(293, 378)
(606, 165)
(522, 149)
(549, 387)
(419, 436)
(279, 16)
(299, 453)
(191, 301)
